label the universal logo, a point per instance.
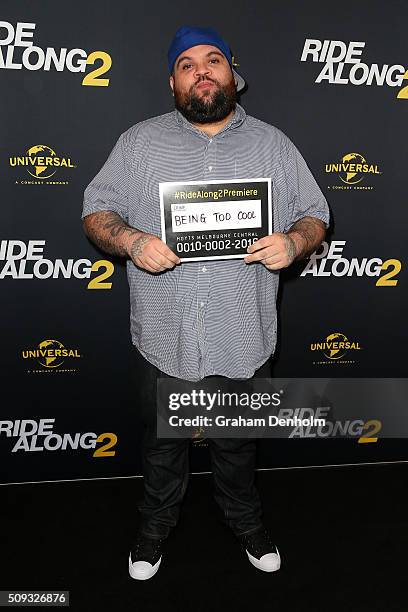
(51, 355)
(41, 163)
(335, 347)
(352, 169)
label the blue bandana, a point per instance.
(187, 37)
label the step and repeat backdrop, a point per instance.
(73, 78)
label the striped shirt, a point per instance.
(212, 317)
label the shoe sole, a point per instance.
(257, 563)
(142, 574)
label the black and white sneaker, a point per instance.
(261, 551)
(145, 557)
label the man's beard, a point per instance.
(207, 109)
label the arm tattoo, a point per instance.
(108, 231)
(290, 246)
(312, 230)
(136, 248)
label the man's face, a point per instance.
(203, 84)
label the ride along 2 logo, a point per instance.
(18, 52)
(342, 65)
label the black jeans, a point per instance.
(166, 466)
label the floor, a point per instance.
(342, 533)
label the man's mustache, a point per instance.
(205, 80)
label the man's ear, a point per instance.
(171, 81)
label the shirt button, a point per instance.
(210, 168)
(202, 304)
(204, 269)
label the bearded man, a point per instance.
(189, 320)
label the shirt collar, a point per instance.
(236, 120)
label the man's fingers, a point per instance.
(144, 264)
(158, 263)
(147, 263)
(165, 251)
(161, 259)
(273, 258)
(259, 244)
(273, 240)
(141, 262)
(274, 263)
(269, 251)
(276, 266)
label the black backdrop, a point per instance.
(85, 391)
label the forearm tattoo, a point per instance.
(106, 229)
(312, 231)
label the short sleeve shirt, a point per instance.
(213, 317)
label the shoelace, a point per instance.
(147, 548)
(258, 543)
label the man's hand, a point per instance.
(275, 251)
(279, 250)
(150, 253)
(113, 235)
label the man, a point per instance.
(190, 320)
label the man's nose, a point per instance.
(202, 70)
